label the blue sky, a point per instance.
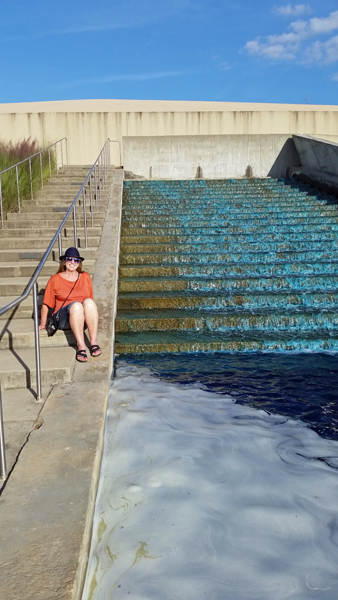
(216, 50)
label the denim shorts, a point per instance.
(64, 316)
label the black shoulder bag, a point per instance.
(53, 322)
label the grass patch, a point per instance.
(11, 154)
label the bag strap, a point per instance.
(78, 277)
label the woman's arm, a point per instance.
(90, 285)
(44, 313)
(48, 301)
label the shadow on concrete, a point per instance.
(288, 157)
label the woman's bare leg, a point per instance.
(92, 319)
(76, 321)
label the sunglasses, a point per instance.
(72, 259)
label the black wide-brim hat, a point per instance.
(71, 253)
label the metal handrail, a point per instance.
(29, 159)
(99, 171)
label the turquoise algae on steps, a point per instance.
(228, 265)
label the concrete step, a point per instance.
(74, 168)
(22, 269)
(68, 232)
(49, 223)
(64, 181)
(34, 243)
(17, 243)
(17, 370)
(70, 191)
(43, 199)
(19, 333)
(47, 212)
(70, 176)
(33, 255)
(64, 200)
(23, 311)
(15, 286)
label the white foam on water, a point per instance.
(202, 498)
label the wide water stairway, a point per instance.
(233, 265)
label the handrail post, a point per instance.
(85, 216)
(56, 159)
(91, 199)
(75, 230)
(41, 171)
(61, 155)
(50, 168)
(30, 177)
(66, 150)
(3, 468)
(60, 244)
(17, 186)
(100, 173)
(37, 341)
(96, 188)
(1, 209)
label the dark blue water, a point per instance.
(302, 386)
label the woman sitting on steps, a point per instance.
(70, 292)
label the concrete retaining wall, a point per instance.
(87, 123)
(212, 156)
(319, 162)
(317, 155)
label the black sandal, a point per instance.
(95, 348)
(83, 354)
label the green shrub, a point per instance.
(11, 154)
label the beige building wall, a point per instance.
(88, 123)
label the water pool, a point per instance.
(219, 480)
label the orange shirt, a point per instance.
(58, 288)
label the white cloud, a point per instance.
(292, 10)
(335, 77)
(322, 52)
(295, 43)
(324, 25)
(270, 50)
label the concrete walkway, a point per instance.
(47, 504)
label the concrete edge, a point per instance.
(318, 179)
(101, 293)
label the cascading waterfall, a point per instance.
(233, 265)
(219, 476)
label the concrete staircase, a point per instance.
(23, 241)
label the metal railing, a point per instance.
(51, 150)
(98, 173)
